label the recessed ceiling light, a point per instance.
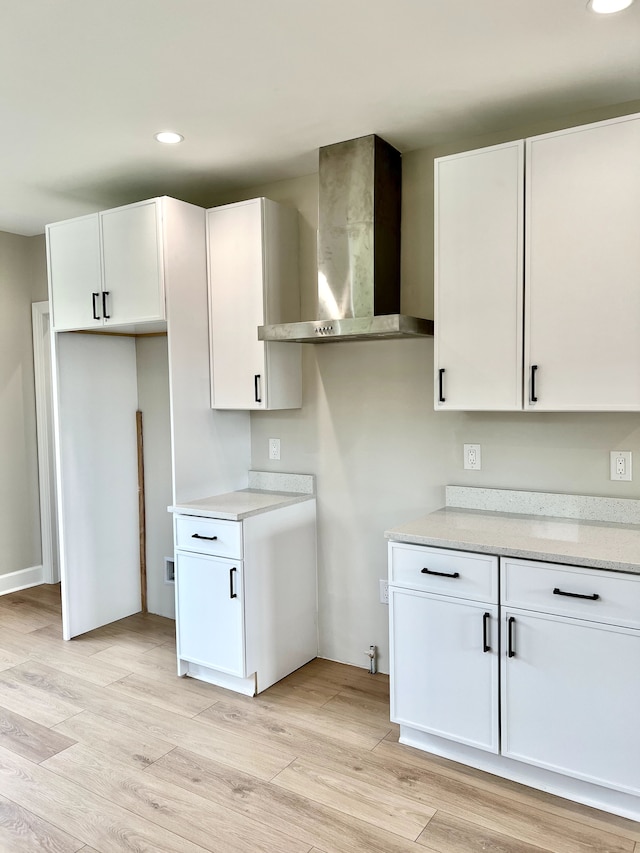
(169, 137)
(607, 7)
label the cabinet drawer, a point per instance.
(570, 591)
(209, 536)
(455, 573)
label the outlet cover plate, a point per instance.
(472, 457)
(621, 465)
(274, 448)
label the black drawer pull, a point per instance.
(94, 296)
(511, 621)
(441, 574)
(593, 597)
(232, 593)
(486, 618)
(257, 392)
(441, 398)
(106, 316)
(208, 538)
(533, 396)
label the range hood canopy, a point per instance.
(359, 213)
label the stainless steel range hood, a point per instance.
(358, 249)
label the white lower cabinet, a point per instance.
(211, 599)
(556, 708)
(445, 653)
(246, 616)
(569, 693)
(570, 698)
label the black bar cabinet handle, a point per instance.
(232, 594)
(441, 398)
(511, 622)
(94, 296)
(426, 571)
(106, 316)
(533, 398)
(593, 597)
(198, 536)
(256, 388)
(486, 618)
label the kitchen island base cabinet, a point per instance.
(247, 620)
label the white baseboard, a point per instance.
(22, 579)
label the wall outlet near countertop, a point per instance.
(472, 457)
(274, 448)
(384, 591)
(620, 465)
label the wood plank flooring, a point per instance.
(103, 749)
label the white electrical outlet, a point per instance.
(274, 448)
(472, 457)
(384, 591)
(620, 464)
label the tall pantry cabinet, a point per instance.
(150, 260)
(536, 273)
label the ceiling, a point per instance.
(256, 86)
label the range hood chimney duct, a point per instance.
(358, 248)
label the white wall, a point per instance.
(19, 506)
(381, 454)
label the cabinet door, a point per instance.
(478, 278)
(73, 256)
(210, 612)
(442, 679)
(582, 262)
(570, 697)
(236, 305)
(132, 262)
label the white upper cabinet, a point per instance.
(582, 341)
(106, 269)
(253, 281)
(132, 263)
(573, 202)
(75, 273)
(479, 278)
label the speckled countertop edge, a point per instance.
(236, 506)
(579, 542)
(267, 491)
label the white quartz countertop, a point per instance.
(234, 506)
(594, 544)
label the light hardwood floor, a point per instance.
(103, 749)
